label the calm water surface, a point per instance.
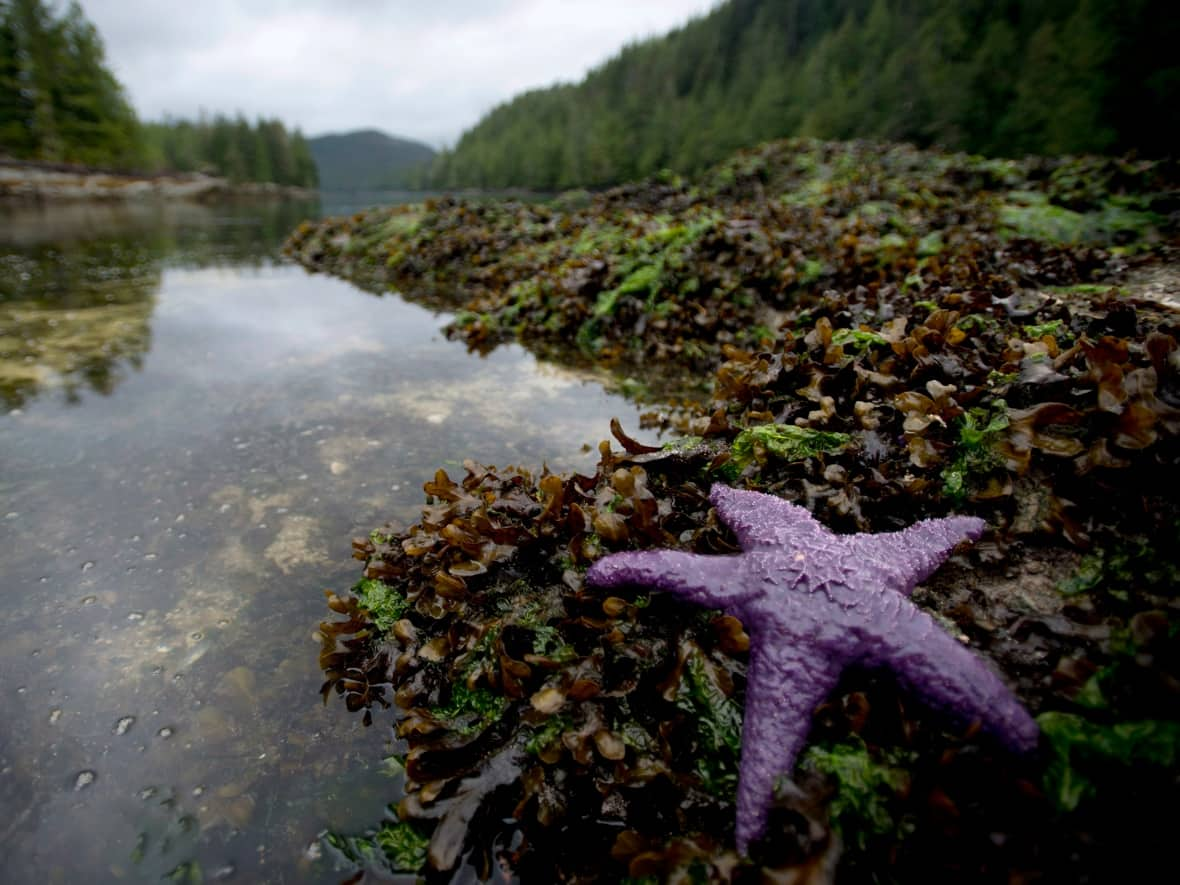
(190, 434)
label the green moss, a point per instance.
(385, 605)
(1081, 747)
(785, 441)
(866, 789)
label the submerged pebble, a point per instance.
(84, 779)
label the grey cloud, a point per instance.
(426, 70)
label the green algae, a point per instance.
(683, 444)
(549, 643)
(385, 605)
(394, 847)
(548, 734)
(786, 442)
(1126, 567)
(673, 270)
(1052, 329)
(1082, 748)
(867, 788)
(857, 339)
(403, 224)
(1090, 289)
(187, 873)
(470, 710)
(718, 723)
(931, 244)
(971, 322)
(647, 266)
(645, 280)
(930, 433)
(975, 454)
(1033, 215)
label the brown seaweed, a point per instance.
(562, 734)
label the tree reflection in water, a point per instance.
(78, 283)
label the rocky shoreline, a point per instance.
(34, 183)
(883, 335)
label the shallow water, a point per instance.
(190, 434)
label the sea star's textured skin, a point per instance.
(813, 604)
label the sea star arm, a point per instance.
(785, 683)
(706, 580)
(947, 675)
(761, 520)
(912, 555)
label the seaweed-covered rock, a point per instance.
(892, 335)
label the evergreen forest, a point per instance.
(60, 103)
(232, 148)
(58, 100)
(1004, 78)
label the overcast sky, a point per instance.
(424, 69)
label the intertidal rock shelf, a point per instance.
(886, 335)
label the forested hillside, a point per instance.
(1000, 78)
(59, 102)
(234, 149)
(367, 159)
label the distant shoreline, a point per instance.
(25, 182)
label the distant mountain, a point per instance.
(367, 160)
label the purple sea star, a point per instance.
(815, 603)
